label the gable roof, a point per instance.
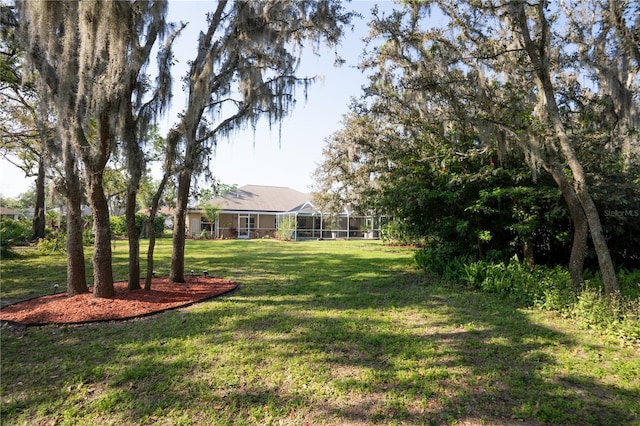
(306, 209)
(259, 198)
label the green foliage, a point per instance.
(118, 226)
(629, 281)
(616, 315)
(158, 227)
(441, 263)
(13, 233)
(211, 212)
(546, 288)
(53, 243)
(217, 189)
(542, 286)
(88, 237)
(399, 232)
(25, 200)
(618, 199)
(555, 291)
(141, 225)
(286, 228)
(459, 153)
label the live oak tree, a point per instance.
(89, 55)
(143, 103)
(245, 68)
(168, 167)
(354, 159)
(523, 45)
(494, 74)
(608, 44)
(26, 129)
(532, 26)
(52, 90)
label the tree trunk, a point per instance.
(153, 210)
(541, 65)
(39, 213)
(102, 269)
(580, 224)
(179, 228)
(528, 253)
(173, 137)
(76, 279)
(39, 223)
(134, 242)
(580, 186)
(152, 234)
(152, 245)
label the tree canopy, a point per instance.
(245, 69)
(464, 95)
(89, 59)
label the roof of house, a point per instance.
(259, 198)
(4, 210)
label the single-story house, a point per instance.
(254, 211)
(6, 213)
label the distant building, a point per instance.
(254, 211)
(6, 213)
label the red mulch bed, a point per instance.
(61, 309)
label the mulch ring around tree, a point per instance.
(126, 304)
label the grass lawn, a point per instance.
(320, 332)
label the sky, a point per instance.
(263, 157)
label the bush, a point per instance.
(398, 233)
(440, 263)
(547, 289)
(158, 226)
(118, 225)
(13, 233)
(88, 237)
(513, 279)
(286, 228)
(53, 243)
(555, 291)
(614, 315)
(629, 282)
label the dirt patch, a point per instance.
(61, 309)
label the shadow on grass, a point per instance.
(489, 367)
(337, 338)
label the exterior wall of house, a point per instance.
(232, 225)
(13, 216)
(227, 225)
(246, 225)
